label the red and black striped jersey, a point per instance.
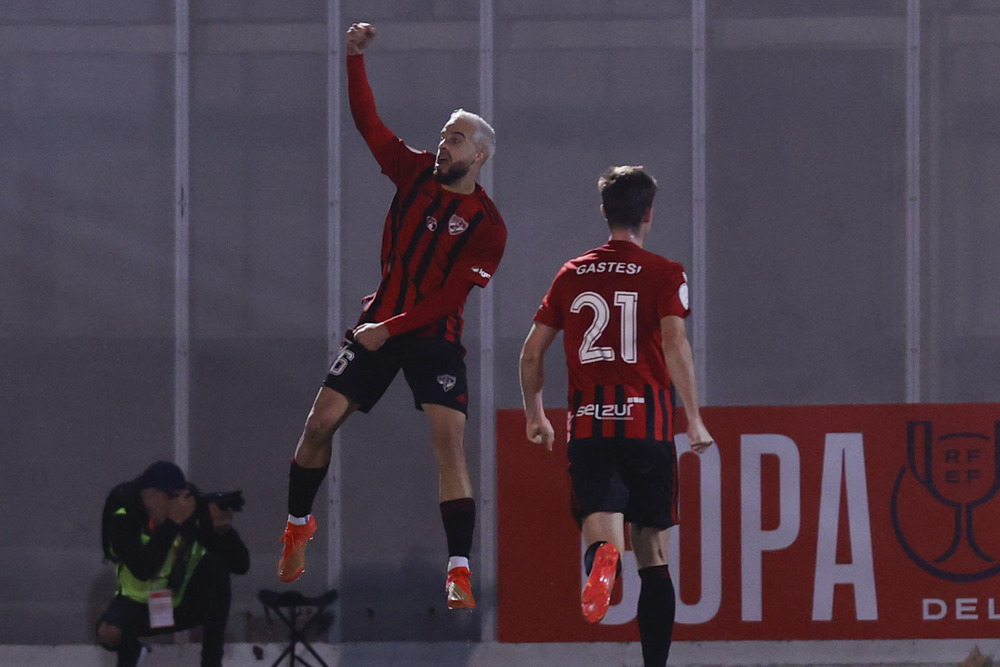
(608, 303)
(436, 244)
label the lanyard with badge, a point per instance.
(161, 602)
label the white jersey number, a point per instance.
(344, 357)
(589, 350)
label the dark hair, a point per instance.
(164, 476)
(627, 193)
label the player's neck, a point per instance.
(462, 187)
(465, 185)
(627, 235)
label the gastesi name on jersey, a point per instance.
(628, 268)
(610, 411)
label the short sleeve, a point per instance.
(550, 312)
(673, 299)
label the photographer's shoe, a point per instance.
(293, 556)
(596, 596)
(459, 589)
(131, 652)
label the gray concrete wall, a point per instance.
(806, 256)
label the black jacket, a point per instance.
(124, 531)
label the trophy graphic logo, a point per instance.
(945, 504)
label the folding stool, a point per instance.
(291, 607)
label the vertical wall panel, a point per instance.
(825, 277)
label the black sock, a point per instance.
(657, 605)
(459, 518)
(303, 485)
(591, 554)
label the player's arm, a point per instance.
(388, 149)
(680, 365)
(475, 267)
(359, 92)
(532, 371)
(447, 300)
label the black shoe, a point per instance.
(130, 654)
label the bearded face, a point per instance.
(450, 172)
(457, 153)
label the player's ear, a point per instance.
(647, 217)
(603, 214)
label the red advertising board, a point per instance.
(806, 522)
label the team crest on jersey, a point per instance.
(431, 223)
(457, 225)
(447, 382)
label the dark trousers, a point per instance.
(205, 603)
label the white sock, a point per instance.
(458, 561)
(299, 520)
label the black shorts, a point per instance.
(434, 369)
(637, 478)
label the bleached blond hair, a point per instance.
(484, 136)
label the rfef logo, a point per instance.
(944, 502)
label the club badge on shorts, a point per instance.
(447, 382)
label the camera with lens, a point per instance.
(226, 500)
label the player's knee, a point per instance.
(321, 424)
(328, 412)
(318, 429)
(650, 547)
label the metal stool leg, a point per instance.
(294, 602)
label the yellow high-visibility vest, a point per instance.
(139, 589)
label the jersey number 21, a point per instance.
(590, 351)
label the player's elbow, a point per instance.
(675, 348)
(531, 358)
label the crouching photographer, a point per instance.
(174, 551)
